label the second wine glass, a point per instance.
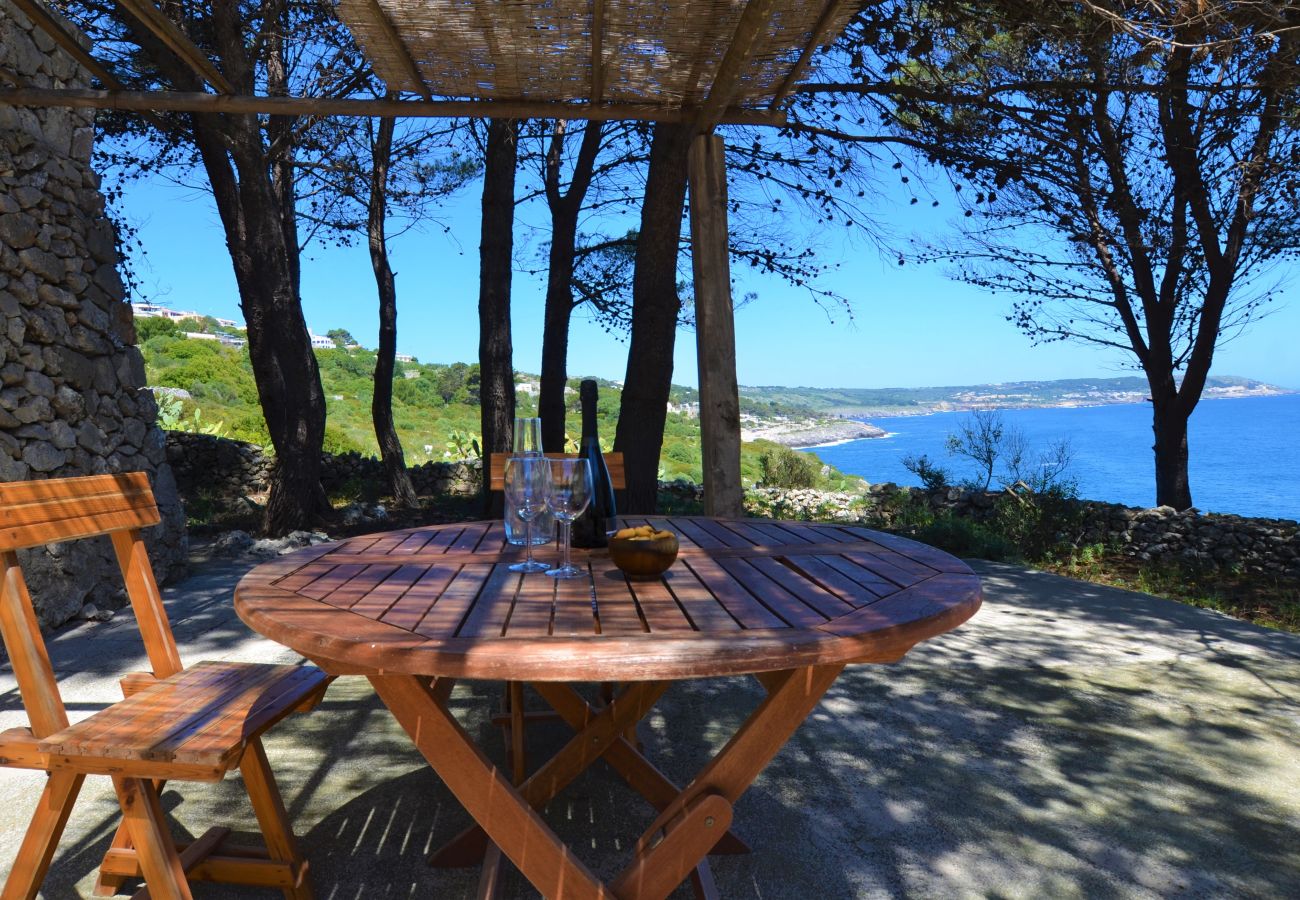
(569, 495)
(527, 484)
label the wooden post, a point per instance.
(715, 330)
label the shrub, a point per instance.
(926, 469)
(1038, 522)
(785, 468)
(963, 537)
(337, 441)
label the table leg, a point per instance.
(631, 765)
(657, 868)
(599, 728)
(674, 845)
(485, 792)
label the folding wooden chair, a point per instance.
(186, 724)
(513, 719)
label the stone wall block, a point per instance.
(18, 229)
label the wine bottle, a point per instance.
(591, 528)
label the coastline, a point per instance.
(807, 433)
(866, 414)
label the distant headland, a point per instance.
(805, 417)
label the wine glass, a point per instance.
(528, 436)
(569, 495)
(527, 485)
(528, 442)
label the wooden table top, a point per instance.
(744, 596)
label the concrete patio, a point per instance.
(1070, 741)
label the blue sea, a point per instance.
(1244, 453)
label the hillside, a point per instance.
(207, 385)
(1011, 395)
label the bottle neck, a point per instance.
(588, 415)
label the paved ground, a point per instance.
(1070, 741)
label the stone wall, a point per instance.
(70, 378)
(1162, 534)
(224, 470)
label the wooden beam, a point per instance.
(398, 46)
(183, 101)
(753, 24)
(597, 50)
(818, 37)
(167, 31)
(54, 28)
(715, 329)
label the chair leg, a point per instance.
(42, 837)
(273, 818)
(109, 885)
(145, 822)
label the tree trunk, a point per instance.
(279, 347)
(381, 404)
(288, 380)
(655, 307)
(495, 350)
(254, 194)
(565, 208)
(555, 332)
(1169, 422)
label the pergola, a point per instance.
(697, 62)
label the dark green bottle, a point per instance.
(592, 527)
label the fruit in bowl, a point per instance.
(643, 552)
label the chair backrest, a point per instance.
(33, 513)
(497, 469)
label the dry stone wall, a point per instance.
(71, 380)
(1162, 534)
(214, 468)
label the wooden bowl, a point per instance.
(645, 558)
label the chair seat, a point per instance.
(192, 726)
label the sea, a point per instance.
(1244, 453)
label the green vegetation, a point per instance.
(1269, 601)
(435, 407)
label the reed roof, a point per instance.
(663, 54)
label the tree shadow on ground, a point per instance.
(1067, 743)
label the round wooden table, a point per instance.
(790, 603)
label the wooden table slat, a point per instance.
(574, 613)
(727, 534)
(303, 577)
(662, 611)
(772, 533)
(447, 614)
(471, 537)
(331, 581)
(420, 597)
(827, 604)
(891, 569)
(780, 602)
(376, 603)
(733, 595)
(699, 537)
(616, 607)
(415, 542)
(830, 579)
(817, 534)
(864, 577)
(534, 607)
(357, 544)
(360, 586)
(492, 606)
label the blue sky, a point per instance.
(911, 326)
